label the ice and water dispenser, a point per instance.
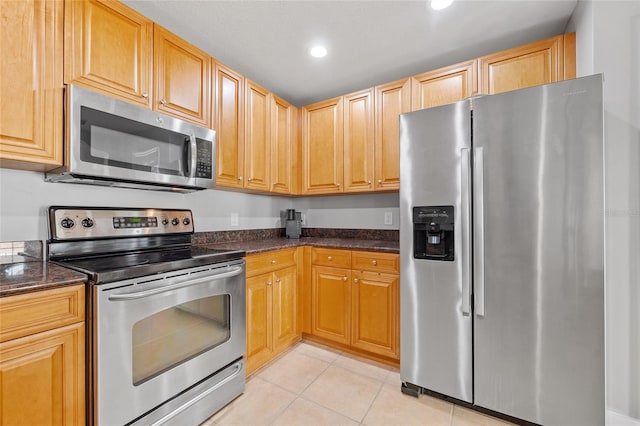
(433, 228)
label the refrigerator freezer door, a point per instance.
(539, 347)
(435, 325)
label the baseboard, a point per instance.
(617, 419)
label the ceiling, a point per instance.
(369, 42)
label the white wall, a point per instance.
(25, 196)
(608, 42)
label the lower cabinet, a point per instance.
(272, 306)
(42, 358)
(356, 305)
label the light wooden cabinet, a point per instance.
(358, 144)
(331, 303)
(283, 144)
(322, 164)
(42, 357)
(355, 300)
(182, 78)
(272, 305)
(31, 113)
(444, 85)
(109, 48)
(228, 122)
(529, 65)
(257, 137)
(391, 100)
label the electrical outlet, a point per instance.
(234, 219)
(388, 218)
(303, 219)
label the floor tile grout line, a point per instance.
(372, 402)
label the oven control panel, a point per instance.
(88, 223)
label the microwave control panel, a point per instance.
(204, 159)
(89, 223)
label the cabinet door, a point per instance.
(182, 78)
(375, 313)
(259, 320)
(257, 147)
(536, 63)
(31, 117)
(358, 141)
(285, 309)
(42, 378)
(282, 139)
(444, 85)
(331, 303)
(108, 47)
(392, 99)
(228, 123)
(322, 147)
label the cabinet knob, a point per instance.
(278, 281)
(380, 182)
(163, 101)
(375, 262)
(269, 283)
(329, 257)
(355, 280)
(369, 182)
(338, 185)
(250, 179)
(239, 177)
(273, 261)
(344, 278)
(145, 94)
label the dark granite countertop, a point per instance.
(259, 246)
(16, 278)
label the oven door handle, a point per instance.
(146, 293)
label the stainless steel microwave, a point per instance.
(114, 143)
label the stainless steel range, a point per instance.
(166, 320)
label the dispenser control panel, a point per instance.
(433, 233)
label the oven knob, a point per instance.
(87, 223)
(67, 223)
(165, 221)
(186, 221)
(175, 221)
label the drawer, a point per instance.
(375, 262)
(331, 257)
(31, 313)
(270, 261)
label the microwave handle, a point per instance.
(193, 156)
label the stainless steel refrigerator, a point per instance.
(502, 252)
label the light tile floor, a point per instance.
(314, 385)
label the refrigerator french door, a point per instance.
(502, 252)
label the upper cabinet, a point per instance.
(533, 64)
(283, 144)
(257, 147)
(182, 78)
(228, 121)
(391, 100)
(358, 141)
(445, 85)
(109, 48)
(322, 147)
(31, 113)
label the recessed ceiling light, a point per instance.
(440, 4)
(318, 51)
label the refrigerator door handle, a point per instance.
(466, 229)
(478, 230)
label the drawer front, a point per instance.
(270, 261)
(331, 257)
(375, 262)
(31, 313)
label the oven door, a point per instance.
(156, 336)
